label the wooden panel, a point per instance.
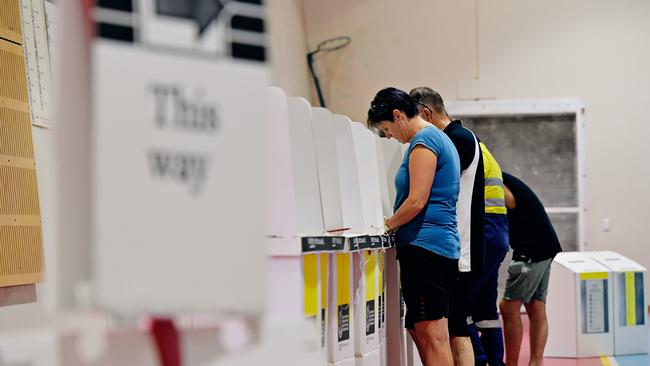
(21, 242)
(15, 133)
(13, 72)
(10, 24)
(21, 255)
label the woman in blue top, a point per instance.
(424, 222)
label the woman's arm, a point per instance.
(422, 169)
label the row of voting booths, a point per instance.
(596, 306)
(332, 183)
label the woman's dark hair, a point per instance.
(386, 100)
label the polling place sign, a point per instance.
(178, 169)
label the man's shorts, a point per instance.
(528, 281)
(426, 279)
(459, 305)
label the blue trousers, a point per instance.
(488, 347)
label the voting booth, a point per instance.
(579, 307)
(630, 304)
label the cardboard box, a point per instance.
(579, 308)
(340, 315)
(366, 337)
(630, 303)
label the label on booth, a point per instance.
(371, 291)
(595, 311)
(310, 282)
(343, 296)
(324, 270)
(380, 280)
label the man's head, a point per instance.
(430, 105)
(390, 111)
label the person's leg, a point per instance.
(536, 309)
(513, 329)
(416, 340)
(461, 349)
(433, 337)
(461, 345)
(485, 313)
(538, 331)
(480, 358)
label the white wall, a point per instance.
(595, 50)
(288, 47)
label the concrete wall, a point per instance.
(508, 49)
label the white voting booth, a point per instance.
(365, 148)
(328, 172)
(629, 300)
(579, 307)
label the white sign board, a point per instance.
(179, 161)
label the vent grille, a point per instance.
(540, 150)
(12, 72)
(566, 228)
(10, 27)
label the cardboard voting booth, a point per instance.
(328, 172)
(579, 307)
(348, 169)
(309, 213)
(365, 148)
(283, 210)
(630, 304)
(386, 204)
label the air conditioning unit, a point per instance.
(543, 143)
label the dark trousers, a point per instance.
(488, 347)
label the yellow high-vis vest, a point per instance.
(495, 198)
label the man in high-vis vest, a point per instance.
(488, 348)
